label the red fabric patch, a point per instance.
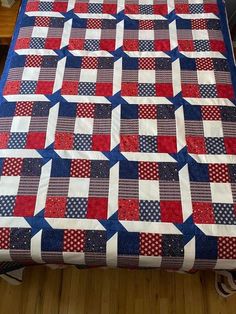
(32, 6)
(85, 110)
(190, 90)
(230, 145)
(25, 205)
(89, 63)
(12, 166)
(60, 6)
(74, 240)
(94, 24)
(80, 168)
(24, 108)
(150, 244)
(148, 170)
(166, 144)
(186, 45)
(162, 45)
(97, 208)
(103, 89)
(11, 88)
(101, 142)
(70, 88)
(146, 63)
(131, 9)
(181, 8)
(76, 44)
(217, 45)
(128, 209)
(164, 90)
(129, 143)
(225, 91)
(22, 43)
(4, 137)
(42, 21)
(35, 140)
(55, 207)
(81, 7)
(129, 89)
(33, 61)
(210, 113)
(218, 173)
(203, 213)
(52, 43)
(131, 45)
(204, 64)
(63, 141)
(227, 247)
(107, 44)
(4, 238)
(147, 112)
(109, 8)
(171, 211)
(199, 24)
(160, 9)
(211, 8)
(196, 144)
(44, 87)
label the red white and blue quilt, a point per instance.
(118, 136)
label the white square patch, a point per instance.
(147, 127)
(149, 190)
(147, 76)
(146, 34)
(221, 193)
(83, 126)
(206, 77)
(200, 34)
(9, 185)
(20, 124)
(93, 34)
(30, 74)
(78, 187)
(213, 129)
(88, 75)
(41, 32)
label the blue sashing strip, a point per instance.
(11, 49)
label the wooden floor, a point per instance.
(111, 291)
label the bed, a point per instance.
(118, 136)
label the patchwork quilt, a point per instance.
(118, 136)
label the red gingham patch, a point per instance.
(204, 64)
(24, 108)
(210, 113)
(89, 63)
(227, 247)
(74, 240)
(218, 173)
(33, 61)
(94, 24)
(12, 166)
(146, 63)
(147, 111)
(4, 238)
(150, 244)
(80, 168)
(203, 213)
(42, 21)
(148, 170)
(85, 110)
